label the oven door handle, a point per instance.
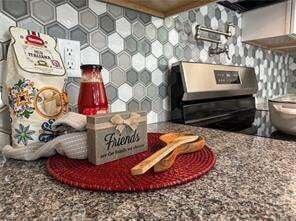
(224, 116)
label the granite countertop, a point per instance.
(254, 177)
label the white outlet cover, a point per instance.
(70, 53)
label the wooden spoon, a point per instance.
(169, 160)
(149, 162)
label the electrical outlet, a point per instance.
(70, 52)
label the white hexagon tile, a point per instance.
(5, 23)
(136, 50)
(67, 15)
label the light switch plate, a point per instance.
(70, 53)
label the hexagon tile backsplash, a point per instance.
(136, 49)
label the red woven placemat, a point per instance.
(115, 176)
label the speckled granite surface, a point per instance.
(253, 178)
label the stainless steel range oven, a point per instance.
(217, 96)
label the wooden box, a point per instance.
(117, 135)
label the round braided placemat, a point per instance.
(116, 176)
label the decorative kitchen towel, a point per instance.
(71, 120)
(32, 88)
(72, 145)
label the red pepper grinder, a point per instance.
(92, 95)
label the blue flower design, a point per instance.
(47, 133)
(24, 134)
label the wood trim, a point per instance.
(160, 8)
(181, 8)
(137, 7)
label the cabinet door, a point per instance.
(291, 16)
(267, 22)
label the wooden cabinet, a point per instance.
(272, 27)
(160, 8)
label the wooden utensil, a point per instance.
(149, 162)
(169, 137)
(169, 160)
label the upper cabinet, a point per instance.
(272, 27)
(160, 8)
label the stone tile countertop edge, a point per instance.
(253, 178)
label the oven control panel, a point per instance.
(227, 77)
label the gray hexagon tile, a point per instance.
(145, 77)
(124, 60)
(78, 4)
(133, 105)
(79, 34)
(111, 92)
(57, 30)
(43, 11)
(72, 89)
(132, 76)
(107, 23)
(218, 13)
(163, 90)
(5, 46)
(157, 105)
(16, 8)
(163, 116)
(162, 35)
(146, 105)
(58, 2)
(88, 19)
(108, 59)
(178, 52)
(187, 28)
(144, 18)
(207, 21)
(183, 37)
(115, 10)
(138, 30)
(139, 91)
(97, 7)
(117, 76)
(144, 47)
(163, 63)
(31, 24)
(98, 40)
(130, 45)
(179, 25)
(130, 14)
(152, 91)
(187, 52)
(1, 52)
(192, 16)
